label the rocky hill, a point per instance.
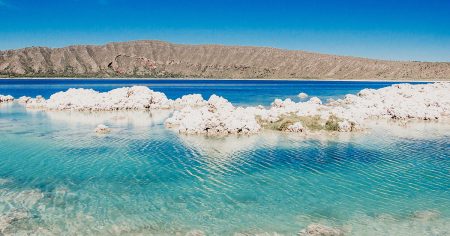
(162, 59)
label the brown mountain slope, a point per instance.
(161, 59)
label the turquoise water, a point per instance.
(143, 179)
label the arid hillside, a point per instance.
(162, 59)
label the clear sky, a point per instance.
(386, 29)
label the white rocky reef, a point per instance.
(400, 101)
(128, 98)
(6, 98)
(217, 116)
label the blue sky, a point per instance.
(386, 29)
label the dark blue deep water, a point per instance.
(249, 92)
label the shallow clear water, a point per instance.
(145, 179)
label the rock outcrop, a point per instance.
(6, 98)
(129, 98)
(217, 116)
(162, 59)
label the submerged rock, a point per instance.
(5, 181)
(426, 215)
(9, 218)
(258, 234)
(302, 95)
(102, 129)
(320, 230)
(16, 206)
(195, 232)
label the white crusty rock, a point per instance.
(38, 102)
(302, 95)
(23, 100)
(127, 98)
(401, 101)
(320, 230)
(348, 126)
(193, 100)
(102, 129)
(297, 127)
(195, 115)
(280, 108)
(217, 117)
(6, 98)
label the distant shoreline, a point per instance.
(219, 79)
(163, 60)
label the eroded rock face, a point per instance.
(320, 230)
(162, 59)
(6, 98)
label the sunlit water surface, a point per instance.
(57, 176)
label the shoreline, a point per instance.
(219, 79)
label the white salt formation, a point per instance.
(193, 100)
(130, 98)
(37, 102)
(102, 129)
(218, 116)
(401, 101)
(23, 100)
(297, 127)
(194, 115)
(6, 98)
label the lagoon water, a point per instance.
(57, 176)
